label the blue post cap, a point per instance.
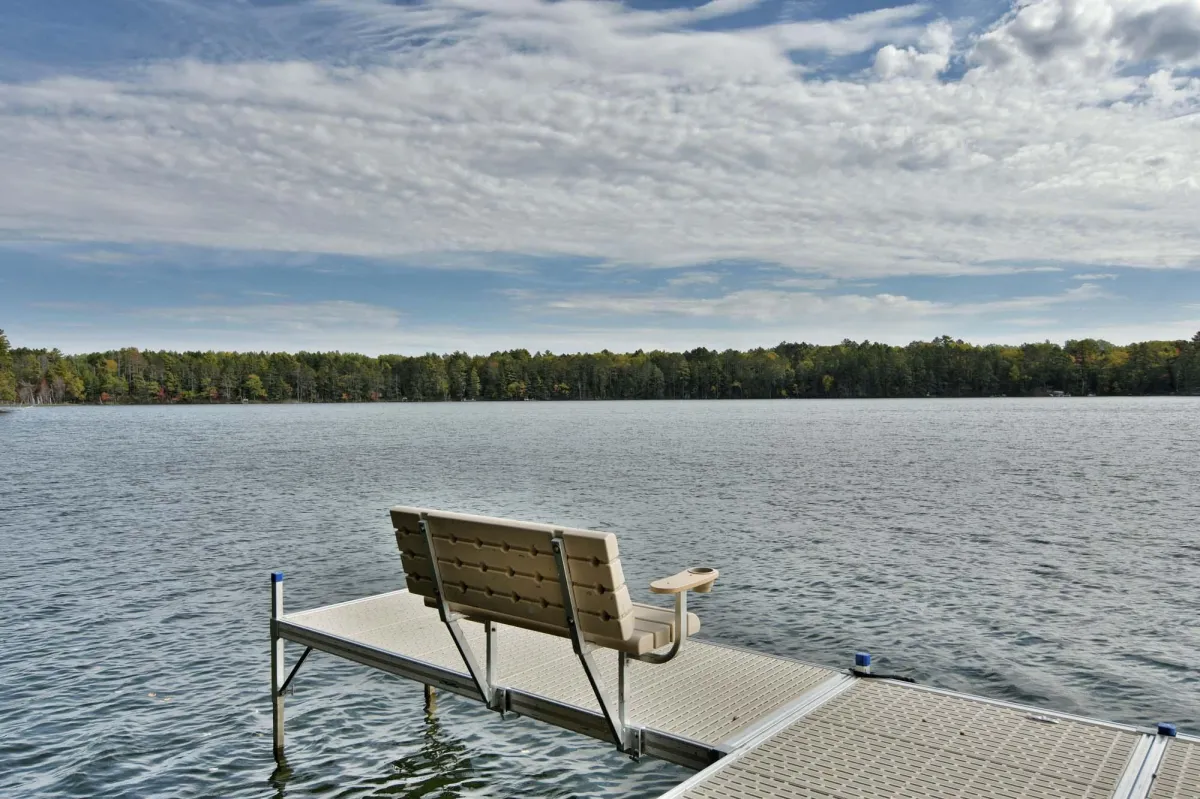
(1166, 729)
(277, 577)
(862, 659)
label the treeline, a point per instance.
(943, 367)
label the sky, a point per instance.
(405, 177)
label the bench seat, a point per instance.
(653, 627)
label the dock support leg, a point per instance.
(430, 699)
(622, 687)
(496, 701)
(489, 630)
(277, 668)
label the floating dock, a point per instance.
(758, 726)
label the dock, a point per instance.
(755, 725)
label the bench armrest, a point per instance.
(697, 578)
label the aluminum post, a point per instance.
(277, 667)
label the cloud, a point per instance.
(1095, 276)
(616, 322)
(1076, 294)
(773, 306)
(291, 318)
(68, 306)
(484, 131)
(103, 257)
(694, 279)
(855, 34)
(1094, 36)
(811, 283)
(929, 59)
(1165, 32)
(274, 326)
(756, 318)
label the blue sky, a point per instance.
(484, 174)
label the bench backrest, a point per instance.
(505, 571)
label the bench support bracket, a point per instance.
(627, 738)
(483, 677)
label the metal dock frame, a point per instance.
(768, 726)
(477, 684)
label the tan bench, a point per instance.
(554, 580)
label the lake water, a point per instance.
(1045, 551)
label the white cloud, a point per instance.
(291, 318)
(103, 257)
(1077, 294)
(752, 304)
(1095, 276)
(740, 320)
(766, 306)
(929, 59)
(810, 283)
(694, 279)
(587, 129)
(1086, 37)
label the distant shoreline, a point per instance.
(287, 403)
(941, 368)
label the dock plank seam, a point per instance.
(825, 692)
(1179, 773)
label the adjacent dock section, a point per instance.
(1179, 775)
(881, 739)
(756, 726)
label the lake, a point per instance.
(1042, 551)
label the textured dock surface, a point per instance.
(888, 740)
(792, 729)
(689, 697)
(1179, 774)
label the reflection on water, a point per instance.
(440, 767)
(1044, 551)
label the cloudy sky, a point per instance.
(481, 174)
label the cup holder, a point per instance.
(701, 571)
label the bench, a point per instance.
(550, 579)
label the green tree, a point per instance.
(941, 367)
(254, 388)
(8, 385)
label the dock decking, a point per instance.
(759, 726)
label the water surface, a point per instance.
(1046, 551)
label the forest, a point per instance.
(943, 367)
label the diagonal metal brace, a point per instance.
(494, 699)
(283, 688)
(627, 739)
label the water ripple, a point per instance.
(1039, 551)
